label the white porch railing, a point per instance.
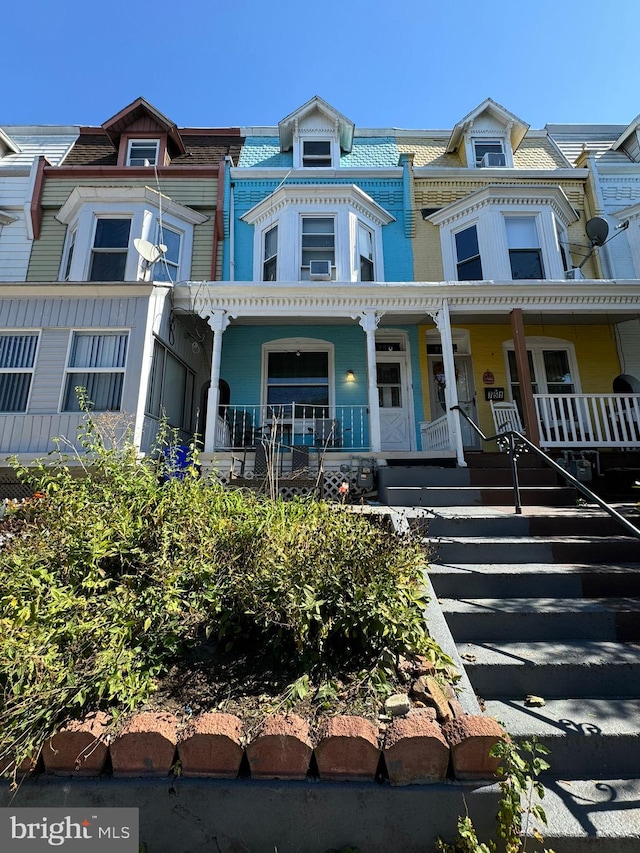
(435, 434)
(333, 428)
(588, 420)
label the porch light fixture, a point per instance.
(351, 377)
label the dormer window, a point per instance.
(143, 152)
(316, 153)
(489, 153)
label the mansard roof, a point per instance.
(626, 133)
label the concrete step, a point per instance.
(436, 496)
(533, 619)
(524, 580)
(555, 670)
(571, 523)
(583, 735)
(592, 815)
(535, 549)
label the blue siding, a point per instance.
(373, 153)
(264, 151)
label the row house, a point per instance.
(93, 305)
(334, 289)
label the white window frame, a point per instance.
(302, 276)
(170, 269)
(121, 250)
(317, 135)
(157, 412)
(488, 208)
(143, 206)
(271, 258)
(369, 236)
(67, 254)
(17, 333)
(537, 344)
(493, 135)
(148, 143)
(313, 161)
(287, 206)
(512, 217)
(299, 345)
(69, 369)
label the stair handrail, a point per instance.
(517, 443)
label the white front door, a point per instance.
(395, 401)
(465, 387)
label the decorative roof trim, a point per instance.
(345, 126)
(517, 128)
(503, 195)
(8, 142)
(329, 195)
(117, 124)
(626, 133)
(81, 196)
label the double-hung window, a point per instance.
(525, 254)
(318, 243)
(468, 262)
(110, 249)
(17, 358)
(143, 152)
(96, 363)
(365, 251)
(316, 152)
(167, 268)
(270, 257)
(493, 147)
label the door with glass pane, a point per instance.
(393, 397)
(465, 387)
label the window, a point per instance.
(110, 250)
(300, 377)
(389, 380)
(167, 268)
(318, 242)
(97, 363)
(469, 265)
(270, 261)
(171, 389)
(525, 255)
(489, 146)
(71, 242)
(550, 369)
(17, 357)
(102, 224)
(143, 152)
(365, 250)
(316, 152)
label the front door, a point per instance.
(466, 395)
(395, 401)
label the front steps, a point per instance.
(548, 603)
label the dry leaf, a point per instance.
(468, 657)
(534, 701)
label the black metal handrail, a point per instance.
(516, 444)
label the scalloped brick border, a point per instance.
(417, 750)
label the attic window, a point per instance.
(316, 153)
(143, 152)
(488, 152)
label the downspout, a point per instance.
(588, 160)
(229, 262)
(218, 224)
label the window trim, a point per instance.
(269, 260)
(30, 371)
(301, 345)
(313, 161)
(134, 140)
(286, 207)
(307, 217)
(69, 370)
(142, 205)
(488, 207)
(118, 250)
(537, 344)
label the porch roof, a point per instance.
(586, 301)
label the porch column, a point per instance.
(524, 377)
(443, 323)
(218, 320)
(369, 321)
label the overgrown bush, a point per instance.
(107, 579)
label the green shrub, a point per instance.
(110, 577)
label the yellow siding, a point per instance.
(538, 153)
(429, 152)
(427, 253)
(46, 253)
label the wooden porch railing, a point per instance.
(588, 420)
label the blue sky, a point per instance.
(401, 63)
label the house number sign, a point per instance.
(494, 393)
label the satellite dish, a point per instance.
(597, 230)
(148, 251)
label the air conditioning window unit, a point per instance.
(320, 270)
(492, 159)
(574, 275)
